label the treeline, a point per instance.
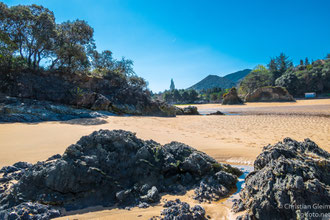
(189, 96)
(30, 39)
(280, 71)
(213, 94)
(180, 96)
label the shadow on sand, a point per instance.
(85, 121)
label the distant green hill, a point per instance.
(238, 76)
(214, 81)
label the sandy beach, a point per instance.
(217, 210)
(235, 139)
(229, 138)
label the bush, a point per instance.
(259, 77)
(290, 82)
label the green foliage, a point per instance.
(156, 151)
(306, 61)
(30, 29)
(214, 97)
(77, 92)
(29, 34)
(216, 165)
(297, 80)
(180, 96)
(193, 95)
(185, 96)
(176, 95)
(138, 82)
(71, 48)
(278, 66)
(172, 86)
(212, 94)
(260, 76)
(313, 78)
(289, 81)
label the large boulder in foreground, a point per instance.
(231, 98)
(113, 167)
(291, 181)
(269, 94)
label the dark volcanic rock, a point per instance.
(27, 110)
(101, 103)
(291, 181)
(107, 94)
(30, 211)
(231, 98)
(115, 167)
(269, 94)
(15, 171)
(178, 111)
(217, 113)
(215, 187)
(182, 211)
(190, 110)
(54, 157)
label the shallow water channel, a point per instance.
(241, 180)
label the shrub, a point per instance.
(259, 77)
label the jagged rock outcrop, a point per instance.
(108, 94)
(30, 211)
(113, 167)
(214, 187)
(189, 110)
(269, 94)
(27, 110)
(291, 180)
(231, 98)
(175, 209)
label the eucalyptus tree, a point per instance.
(103, 60)
(31, 29)
(72, 43)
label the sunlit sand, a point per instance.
(235, 139)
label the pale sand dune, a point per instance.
(230, 138)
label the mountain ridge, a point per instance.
(238, 76)
(224, 82)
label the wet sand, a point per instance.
(313, 107)
(235, 139)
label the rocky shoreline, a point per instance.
(111, 168)
(14, 109)
(31, 111)
(291, 180)
(115, 168)
(114, 95)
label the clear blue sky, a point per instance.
(188, 39)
